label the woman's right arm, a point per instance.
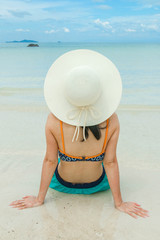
(110, 160)
(112, 170)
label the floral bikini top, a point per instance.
(68, 158)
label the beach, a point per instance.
(68, 216)
(23, 114)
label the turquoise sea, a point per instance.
(23, 70)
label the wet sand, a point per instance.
(74, 217)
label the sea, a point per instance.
(23, 70)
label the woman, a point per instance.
(82, 90)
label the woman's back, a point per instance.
(81, 171)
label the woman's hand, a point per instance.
(132, 209)
(26, 202)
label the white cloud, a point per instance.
(130, 30)
(54, 31)
(22, 30)
(104, 7)
(130, 24)
(104, 24)
(66, 30)
(140, 23)
(145, 4)
(50, 31)
(154, 27)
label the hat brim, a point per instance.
(108, 74)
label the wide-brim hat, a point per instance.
(83, 87)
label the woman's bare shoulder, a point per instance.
(52, 121)
(114, 120)
(114, 123)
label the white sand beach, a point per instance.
(74, 217)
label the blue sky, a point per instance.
(85, 20)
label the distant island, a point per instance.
(22, 41)
(33, 45)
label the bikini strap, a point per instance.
(62, 135)
(105, 140)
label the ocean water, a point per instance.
(23, 70)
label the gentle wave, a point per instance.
(14, 90)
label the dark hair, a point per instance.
(95, 130)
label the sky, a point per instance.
(80, 21)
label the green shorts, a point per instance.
(61, 185)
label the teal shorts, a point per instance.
(58, 184)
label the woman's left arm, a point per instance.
(48, 168)
(50, 161)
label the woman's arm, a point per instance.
(48, 168)
(50, 161)
(112, 171)
(111, 164)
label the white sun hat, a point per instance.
(82, 88)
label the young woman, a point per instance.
(82, 90)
